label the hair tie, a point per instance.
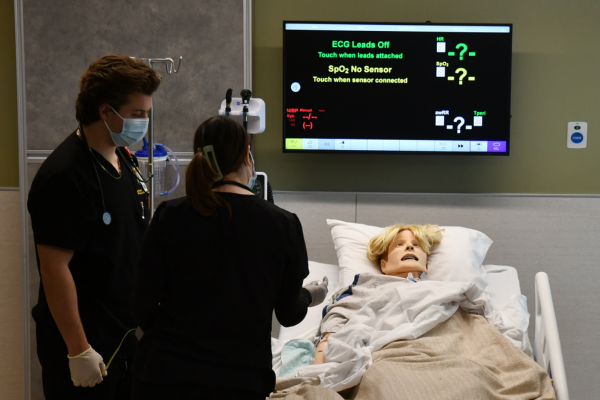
(206, 151)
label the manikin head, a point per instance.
(401, 249)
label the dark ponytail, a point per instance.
(229, 142)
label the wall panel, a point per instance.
(9, 152)
(62, 39)
(313, 209)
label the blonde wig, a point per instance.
(426, 235)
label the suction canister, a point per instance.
(160, 164)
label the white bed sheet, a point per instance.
(384, 310)
(503, 283)
(506, 308)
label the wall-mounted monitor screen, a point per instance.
(404, 88)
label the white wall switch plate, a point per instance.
(577, 135)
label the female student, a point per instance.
(213, 267)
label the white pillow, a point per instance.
(308, 328)
(458, 257)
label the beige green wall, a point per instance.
(9, 153)
(556, 59)
(11, 296)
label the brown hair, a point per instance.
(230, 142)
(111, 80)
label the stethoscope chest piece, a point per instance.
(106, 218)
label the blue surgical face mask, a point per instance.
(252, 180)
(134, 130)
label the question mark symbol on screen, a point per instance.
(464, 46)
(461, 123)
(464, 73)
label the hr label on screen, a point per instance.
(458, 121)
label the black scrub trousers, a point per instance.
(66, 212)
(205, 295)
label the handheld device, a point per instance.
(228, 102)
(246, 95)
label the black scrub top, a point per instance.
(207, 289)
(66, 211)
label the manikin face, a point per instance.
(403, 256)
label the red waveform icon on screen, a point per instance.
(308, 125)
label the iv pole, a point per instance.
(170, 67)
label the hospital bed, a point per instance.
(503, 283)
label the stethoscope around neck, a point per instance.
(106, 217)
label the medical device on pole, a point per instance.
(250, 113)
(228, 102)
(246, 95)
(160, 156)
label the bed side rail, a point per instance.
(546, 350)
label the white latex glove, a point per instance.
(86, 368)
(318, 291)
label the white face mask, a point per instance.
(252, 180)
(134, 130)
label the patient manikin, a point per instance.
(400, 250)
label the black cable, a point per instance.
(106, 217)
(220, 183)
